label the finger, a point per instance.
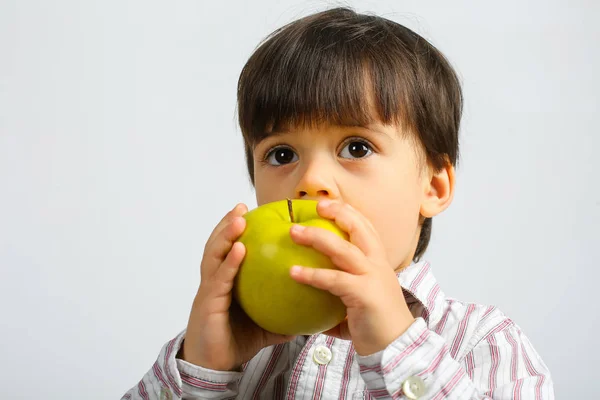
(340, 331)
(336, 282)
(360, 230)
(237, 211)
(217, 251)
(242, 321)
(342, 253)
(227, 271)
(218, 286)
(223, 243)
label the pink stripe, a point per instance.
(428, 309)
(425, 314)
(415, 285)
(127, 396)
(487, 312)
(396, 360)
(378, 393)
(279, 389)
(450, 385)
(174, 385)
(347, 368)
(319, 382)
(436, 362)
(513, 356)
(159, 375)
(462, 329)
(268, 370)
(470, 364)
(408, 351)
(432, 295)
(533, 372)
(321, 374)
(431, 301)
(442, 324)
(495, 355)
(142, 390)
(397, 394)
(198, 383)
(298, 368)
(518, 390)
(500, 327)
(538, 387)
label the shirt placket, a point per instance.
(322, 359)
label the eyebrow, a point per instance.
(369, 127)
(283, 131)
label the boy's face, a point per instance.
(378, 171)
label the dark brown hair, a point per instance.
(341, 67)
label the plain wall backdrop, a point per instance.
(119, 152)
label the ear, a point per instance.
(438, 189)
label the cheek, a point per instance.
(398, 225)
(393, 209)
(392, 198)
(264, 192)
(267, 190)
(396, 219)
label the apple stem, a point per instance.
(290, 210)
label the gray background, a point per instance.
(119, 152)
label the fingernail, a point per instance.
(298, 228)
(295, 270)
(325, 203)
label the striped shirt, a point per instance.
(454, 350)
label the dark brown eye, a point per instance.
(281, 156)
(356, 149)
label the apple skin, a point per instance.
(263, 286)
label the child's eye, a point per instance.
(356, 149)
(281, 156)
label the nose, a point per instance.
(317, 181)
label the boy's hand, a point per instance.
(365, 281)
(220, 336)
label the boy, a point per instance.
(363, 115)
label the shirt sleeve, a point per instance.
(501, 365)
(171, 378)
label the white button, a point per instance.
(322, 355)
(165, 394)
(413, 387)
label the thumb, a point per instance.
(274, 338)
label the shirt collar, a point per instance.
(420, 285)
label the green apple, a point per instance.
(263, 286)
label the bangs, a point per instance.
(315, 73)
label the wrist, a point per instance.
(390, 333)
(187, 354)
